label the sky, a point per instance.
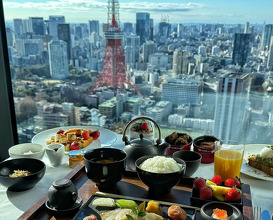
(177, 11)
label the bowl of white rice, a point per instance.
(160, 173)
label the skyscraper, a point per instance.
(58, 63)
(267, 33)
(180, 62)
(128, 28)
(148, 49)
(231, 104)
(53, 25)
(37, 25)
(132, 48)
(143, 26)
(94, 27)
(270, 56)
(246, 30)
(18, 26)
(64, 34)
(241, 48)
(164, 30)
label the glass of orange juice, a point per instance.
(228, 159)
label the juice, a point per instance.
(227, 163)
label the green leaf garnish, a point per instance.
(135, 211)
(141, 207)
(142, 214)
(129, 217)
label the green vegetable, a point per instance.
(124, 203)
(139, 211)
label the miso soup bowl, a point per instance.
(105, 175)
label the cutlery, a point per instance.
(265, 215)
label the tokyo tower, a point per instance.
(113, 73)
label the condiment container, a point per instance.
(75, 158)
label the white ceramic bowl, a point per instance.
(27, 150)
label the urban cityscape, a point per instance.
(197, 78)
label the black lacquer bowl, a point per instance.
(105, 174)
(159, 183)
(192, 160)
(36, 167)
(232, 212)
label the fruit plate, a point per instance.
(196, 201)
(88, 208)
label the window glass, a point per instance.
(198, 68)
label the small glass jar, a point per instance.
(75, 159)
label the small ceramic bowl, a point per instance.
(207, 154)
(232, 212)
(27, 150)
(174, 148)
(192, 160)
(159, 183)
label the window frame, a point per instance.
(8, 128)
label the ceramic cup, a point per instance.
(55, 154)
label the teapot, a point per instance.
(141, 146)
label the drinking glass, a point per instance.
(228, 159)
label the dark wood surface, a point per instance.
(131, 186)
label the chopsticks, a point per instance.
(146, 200)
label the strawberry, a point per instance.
(205, 193)
(144, 126)
(95, 134)
(233, 194)
(234, 181)
(199, 183)
(217, 179)
(60, 131)
(75, 146)
(85, 134)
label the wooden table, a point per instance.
(131, 186)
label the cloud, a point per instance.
(84, 5)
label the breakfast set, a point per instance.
(148, 179)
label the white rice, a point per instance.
(160, 164)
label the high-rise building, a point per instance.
(143, 26)
(9, 34)
(58, 62)
(148, 49)
(33, 46)
(241, 48)
(18, 26)
(164, 30)
(231, 104)
(132, 44)
(180, 62)
(267, 33)
(37, 25)
(180, 91)
(201, 50)
(94, 26)
(128, 28)
(179, 30)
(53, 25)
(246, 29)
(270, 56)
(64, 34)
(215, 50)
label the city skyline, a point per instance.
(202, 11)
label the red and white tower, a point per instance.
(113, 73)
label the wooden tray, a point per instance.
(131, 186)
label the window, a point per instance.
(69, 67)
